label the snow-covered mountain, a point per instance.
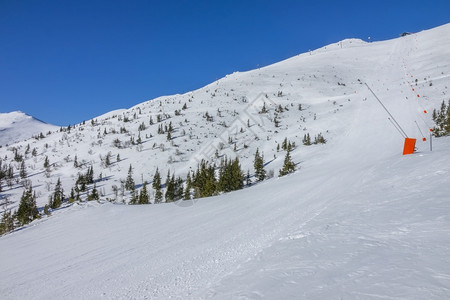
(356, 220)
(17, 126)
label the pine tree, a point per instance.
(170, 187)
(288, 166)
(58, 196)
(258, 164)
(46, 162)
(75, 162)
(319, 139)
(248, 181)
(306, 140)
(275, 121)
(284, 146)
(23, 171)
(129, 183)
(7, 222)
(144, 198)
(72, 195)
(204, 181)
(187, 189)
(178, 188)
(139, 140)
(94, 194)
(157, 186)
(263, 109)
(27, 210)
(108, 159)
(90, 175)
(231, 177)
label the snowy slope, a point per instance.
(357, 219)
(16, 126)
(351, 233)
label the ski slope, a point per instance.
(356, 221)
(356, 232)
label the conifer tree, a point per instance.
(263, 109)
(231, 177)
(129, 183)
(27, 210)
(306, 140)
(319, 139)
(90, 175)
(23, 171)
(72, 195)
(46, 162)
(7, 222)
(170, 187)
(187, 189)
(139, 140)
(275, 121)
(258, 164)
(144, 198)
(248, 181)
(58, 196)
(108, 159)
(237, 175)
(284, 146)
(94, 194)
(288, 166)
(157, 186)
(178, 188)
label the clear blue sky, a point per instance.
(68, 61)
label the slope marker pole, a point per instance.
(393, 119)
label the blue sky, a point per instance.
(68, 61)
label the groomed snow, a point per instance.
(343, 231)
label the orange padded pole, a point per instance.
(409, 146)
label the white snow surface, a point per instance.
(16, 126)
(357, 220)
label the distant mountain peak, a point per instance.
(17, 125)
